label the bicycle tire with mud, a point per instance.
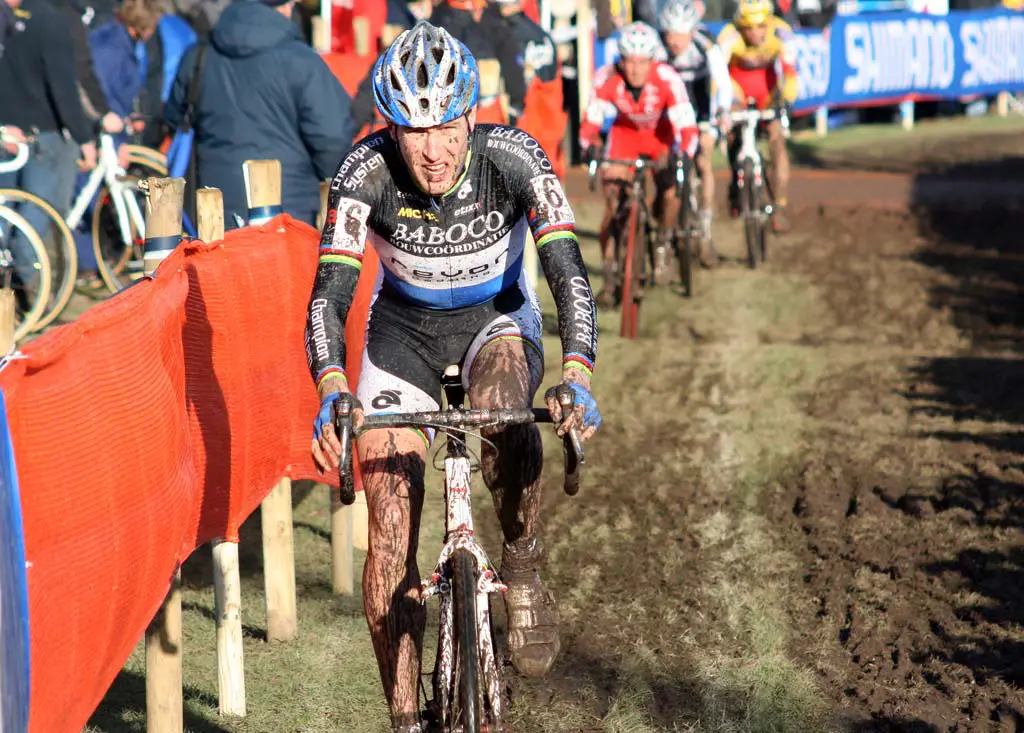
(469, 693)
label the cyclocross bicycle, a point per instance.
(755, 194)
(633, 238)
(467, 687)
(31, 297)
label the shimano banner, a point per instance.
(885, 57)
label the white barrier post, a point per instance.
(1003, 104)
(227, 582)
(164, 706)
(821, 121)
(907, 115)
(263, 187)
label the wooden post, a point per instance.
(263, 189)
(8, 320)
(210, 213)
(164, 708)
(361, 31)
(165, 198)
(279, 562)
(325, 190)
(360, 523)
(584, 54)
(342, 565)
(227, 595)
(321, 41)
(227, 583)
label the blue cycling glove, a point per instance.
(326, 415)
(583, 398)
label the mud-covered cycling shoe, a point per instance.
(532, 620)
(780, 222)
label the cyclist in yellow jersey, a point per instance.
(762, 65)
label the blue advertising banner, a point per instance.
(14, 640)
(877, 58)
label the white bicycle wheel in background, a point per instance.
(60, 249)
(30, 300)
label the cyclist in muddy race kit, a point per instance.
(448, 205)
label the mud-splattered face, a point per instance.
(677, 43)
(435, 155)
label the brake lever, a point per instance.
(343, 408)
(572, 448)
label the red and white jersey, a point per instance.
(663, 95)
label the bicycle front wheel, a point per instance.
(468, 694)
(30, 297)
(59, 245)
(753, 226)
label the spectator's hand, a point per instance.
(111, 123)
(135, 125)
(88, 161)
(11, 136)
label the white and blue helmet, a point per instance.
(680, 16)
(425, 78)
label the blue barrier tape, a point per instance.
(162, 244)
(261, 214)
(14, 621)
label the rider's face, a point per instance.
(677, 43)
(754, 35)
(435, 155)
(635, 69)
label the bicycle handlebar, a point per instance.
(638, 164)
(18, 161)
(345, 405)
(761, 115)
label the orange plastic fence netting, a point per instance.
(155, 423)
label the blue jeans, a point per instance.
(49, 174)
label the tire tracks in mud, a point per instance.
(906, 505)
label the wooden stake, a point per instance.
(342, 566)
(8, 320)
(361, 31)
(263, 188)
(227, 594)
(325, 190)
(1003, 104)
(165, 198)
(210, 213)
(360, 523)
(584, 54)
(164, 707)
(279, 562)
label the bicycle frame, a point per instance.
(108, 170)
(460, 533)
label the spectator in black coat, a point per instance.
(264, 94)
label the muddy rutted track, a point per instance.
(907, 507)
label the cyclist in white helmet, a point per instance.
(448, 205)
(652, 117)
(703, 68)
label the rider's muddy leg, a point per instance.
(506, 374)
(392, 468)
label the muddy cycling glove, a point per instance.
(326, 415)
(583, 398)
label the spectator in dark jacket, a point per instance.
(263, 94)
(39, 95)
